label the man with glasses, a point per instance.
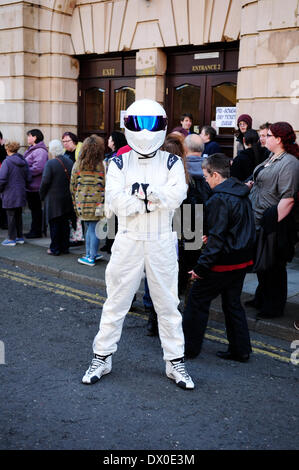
(143, 188)
(263, 129)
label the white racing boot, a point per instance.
(176, 371)
(99, 366)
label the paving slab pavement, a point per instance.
(33, 255)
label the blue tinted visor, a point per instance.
(151, 123)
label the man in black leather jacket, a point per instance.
(222, 265)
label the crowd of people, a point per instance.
(267, 162)
(248, 216)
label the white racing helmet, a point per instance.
(145, 126)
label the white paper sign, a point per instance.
(226, 116)
(122, 115)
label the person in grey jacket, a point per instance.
(14, 175)
(36, 157)
(55, 192)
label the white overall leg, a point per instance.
(123, 275)
(161, 268)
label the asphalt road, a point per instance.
(46, 330)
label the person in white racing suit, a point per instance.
(143, 188)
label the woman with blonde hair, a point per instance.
(14, 175)
(87, 189)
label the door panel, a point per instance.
(94, 115)
(185, 95)
(200, 95)
(122, 93)
(100, 103)
(221, 91)
(93, 107)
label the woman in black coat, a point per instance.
(55, 193)
(246, 160)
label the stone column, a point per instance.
(38, 75)
(268, 83)
(150, 70)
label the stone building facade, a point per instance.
(43, 44)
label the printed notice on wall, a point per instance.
(121, 118)
(226, 116)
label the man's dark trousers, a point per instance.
(195, 318)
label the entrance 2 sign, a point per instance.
(226, 116)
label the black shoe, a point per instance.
(134, 300)
(232, 357)
(266, 316)
(190, 354)
(152, 329)
(152, 324)
(33, 235)
(108, 245)
(76, 243)
(252, 303)
(53, 253)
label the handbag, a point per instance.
(265, 255)
(99, 212)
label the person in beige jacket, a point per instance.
(87, 188)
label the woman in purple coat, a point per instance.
(36, 157)
(14, 175)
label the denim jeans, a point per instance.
(91, 240)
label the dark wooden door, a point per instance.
(185, 94)
(100, 103)
(200, 94)
(122, 94)
(93, 109)
(221, 91)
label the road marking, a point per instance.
(217, 335)
(25, 278)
